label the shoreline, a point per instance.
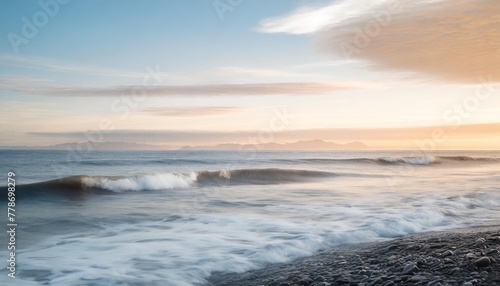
(454, 257)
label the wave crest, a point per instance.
(468, 158)
(259, 176)
(82, 185)
(142, 183)
(411, 160)
(424, 160)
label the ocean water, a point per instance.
(175, 217)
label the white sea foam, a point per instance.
(186, 249)
(424, 160)
(169, 181)
(141, 183)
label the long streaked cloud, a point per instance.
(24, 83)
(254, 89)
(457, 41)
(336, 134)
(191, 111)
(54, 65)
(256, 72)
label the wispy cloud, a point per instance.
(20, 79)
(455, 41)
(23, 83)
(324, 64)
(258, 72)
(53, 65)
(191, 111)
(254, 89)
(307, 19)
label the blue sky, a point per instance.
(178, 35)
(231, 73)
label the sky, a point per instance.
(394, 74)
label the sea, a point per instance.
(177, 217)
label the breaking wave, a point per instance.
(167, 181)
(77, 186)
(153, 182)
(411, 160)
(468, 158)
(424, 160)
(260, 176)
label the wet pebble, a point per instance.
(410, 269)
(483, 262)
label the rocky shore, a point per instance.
(462, 257)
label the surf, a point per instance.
(395, 160)
(83, 185)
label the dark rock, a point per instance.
(483, 262)
(447, 253)
(319, 278)
(434, 283)
(410, 269)
(417, 278)
(492, 251)
(343, 281)
(484, 274)
(364, 272)
(405, 277)
(363, 278)
(391, 247)
(377, 281)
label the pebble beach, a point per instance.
(461, 257)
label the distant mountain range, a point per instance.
(299, 145)
(109, 146)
